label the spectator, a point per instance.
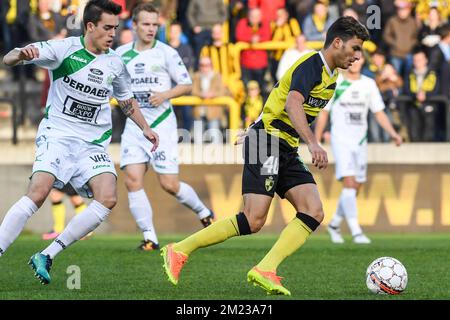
(5, 22)
(237, 10)
(182, 18)
(359, 7)
(440, 59)
(423, 8)
(421, 84)
(317, 23)
(184, 113)
(222, 55)
(428, 35)
(400, 34)
(292, 55)
(268, 7)
(299, 9)
(202, 15)
(46, 24)
(253, 62)
(253, 103)
(389, 83)
(176, 37)
(284, 29)
(207, 84)
(374, 63)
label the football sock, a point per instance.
(348, 196)
(59, 216)
(189, 198)
(80, 208)
(338, 215)
(291, 239)
(15, 220)
(78, 227)
(143, 214)
(215, 233)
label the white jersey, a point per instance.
(348, 109)
(154, 70)
(81, 86)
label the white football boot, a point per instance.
(335, 234)
(361, 239)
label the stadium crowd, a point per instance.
(408, 54)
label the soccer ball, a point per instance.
(386, 275)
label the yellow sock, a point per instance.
(215, 233)
(291, 238)
(80, 208)
(59, 217)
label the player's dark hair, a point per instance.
(94, 9)
(346, 28)
(144, 6)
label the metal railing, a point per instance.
(234, 107)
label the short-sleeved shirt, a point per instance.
(348, 109)
(309, 75)
(82, 84)
(153, 70)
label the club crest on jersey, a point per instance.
(269, 183)
(155, 68)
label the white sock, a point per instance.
(338, 216)
(143, 214)
(80, 225)
(348, 196)
(189, 198)
(15, 220)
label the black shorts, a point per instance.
(271, 165)
(69, 190)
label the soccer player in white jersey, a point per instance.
(153, 67)
(355, 95)
(72, 138)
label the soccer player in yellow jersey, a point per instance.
(272, 163)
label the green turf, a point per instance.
(111, 268)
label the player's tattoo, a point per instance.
(127, 107)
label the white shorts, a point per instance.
(351, 161)
(71, 161)
(135, 148)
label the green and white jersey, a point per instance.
(348, 109)
(154, 70)
(82, 84)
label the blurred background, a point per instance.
(241, 49)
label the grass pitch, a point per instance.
(112, 268)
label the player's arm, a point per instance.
(18, 55)
(157, 98)
(385, 123)
(131, 109)
(296, 113)
(321, 123)
(45, 54)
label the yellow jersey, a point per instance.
(309, 75)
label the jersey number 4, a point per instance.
(271, 165)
